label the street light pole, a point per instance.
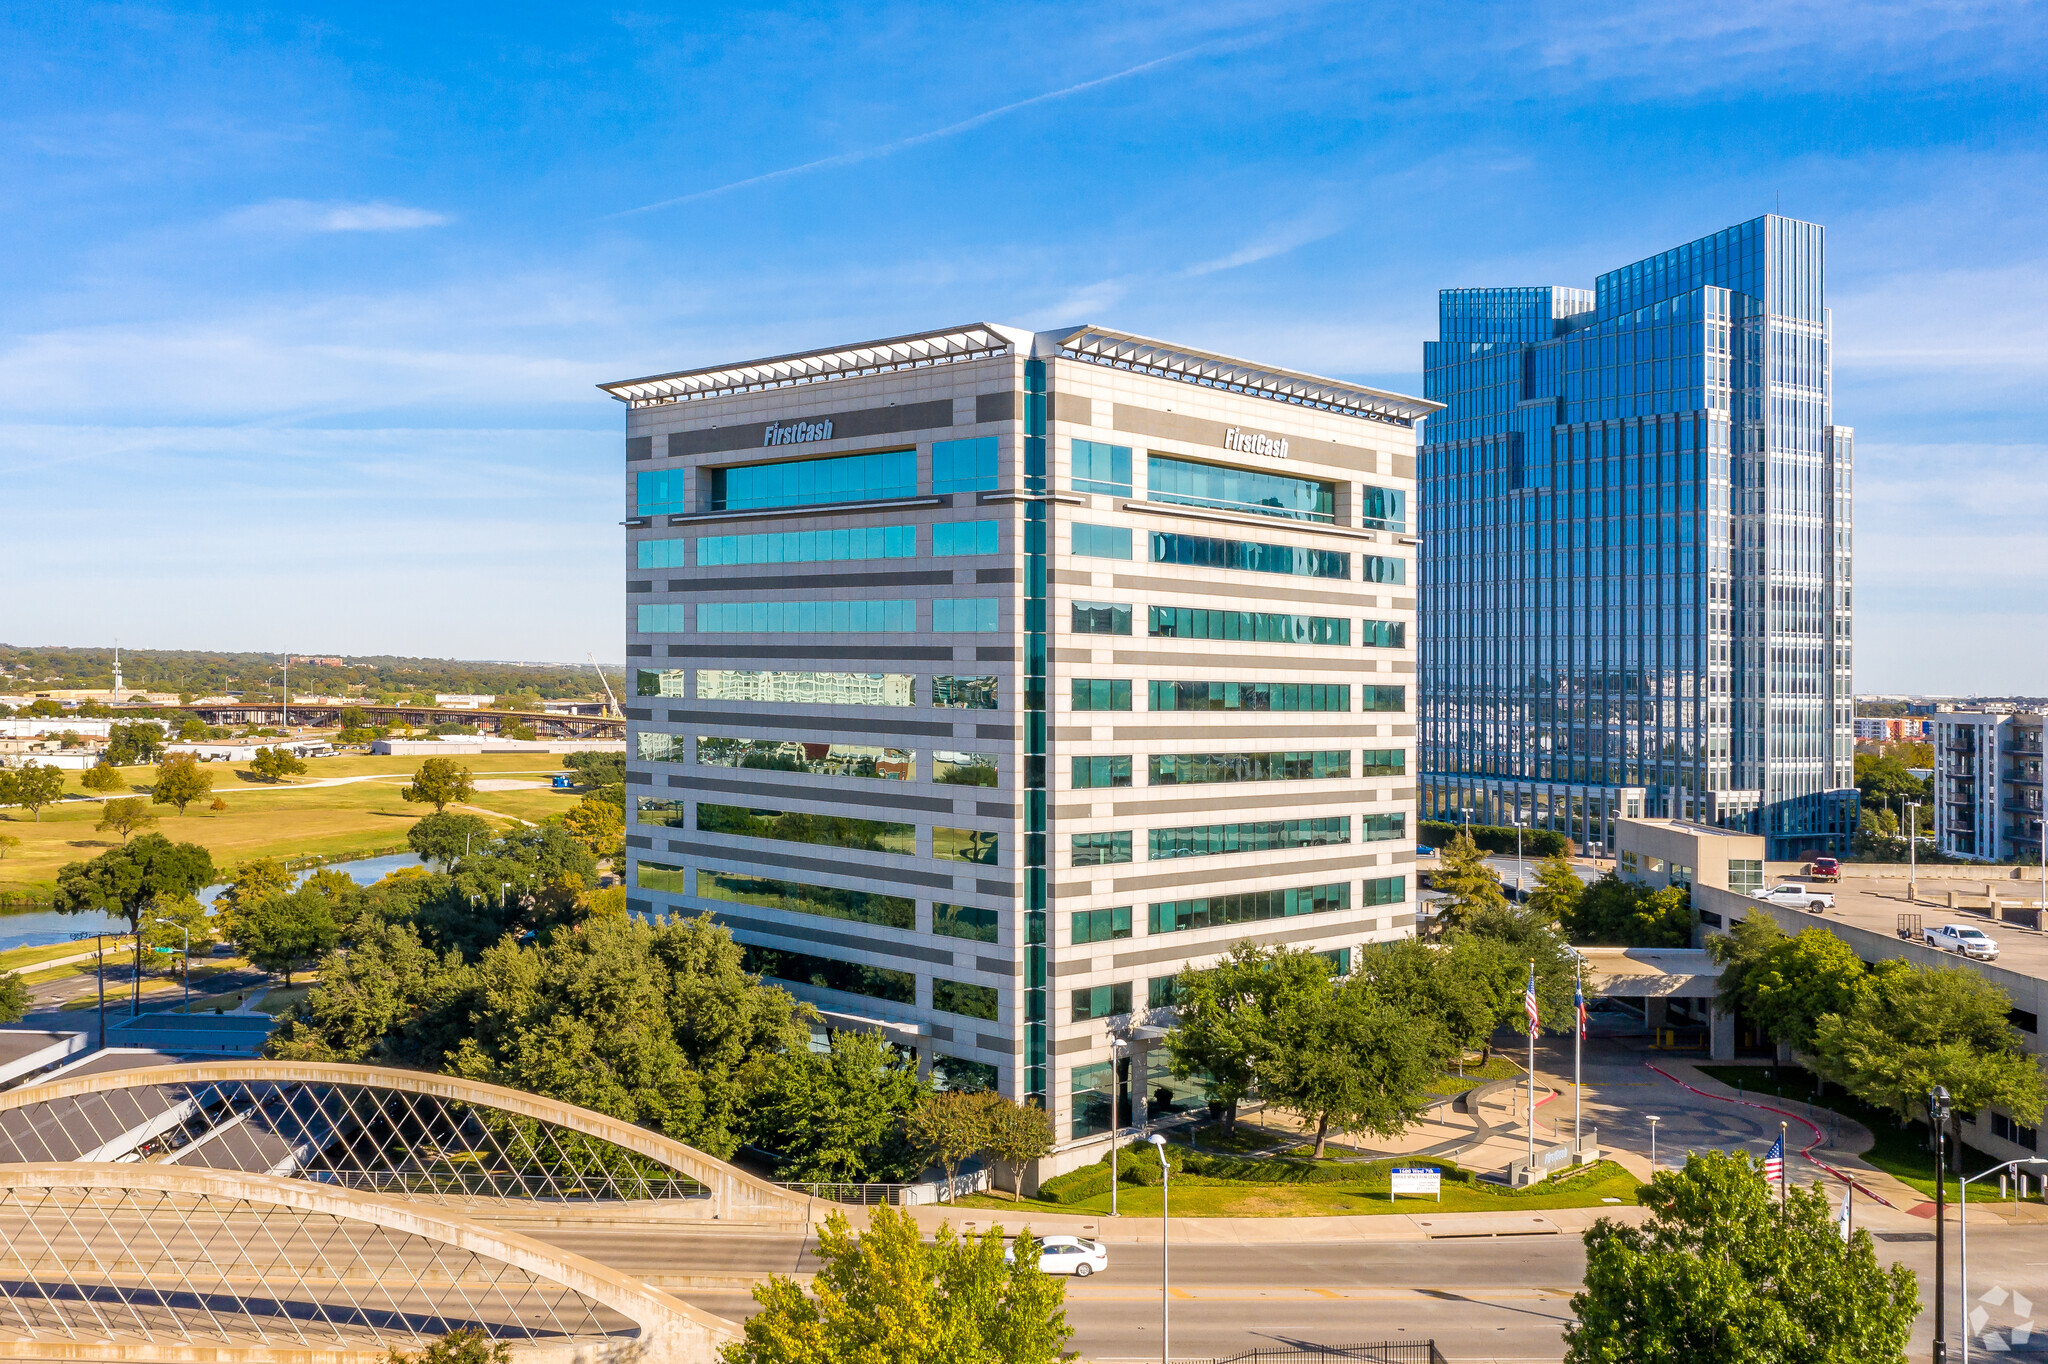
(1963, 1226)
(1519, 826)
(1937, 1113)
(1117, 1051)
(1165, 1224)
(1653, 1146)
(1913, 850)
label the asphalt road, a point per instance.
(1480, 1300)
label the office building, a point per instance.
(1636, 550)
(1987, 784)
(985, 679)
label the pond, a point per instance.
(41, 927)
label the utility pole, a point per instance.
(287, 689)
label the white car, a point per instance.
(1798, 896)
(1067, 1255)
(1971, 942)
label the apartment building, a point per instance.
(1987, 784)
(984, 679)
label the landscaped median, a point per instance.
(1217, 1184)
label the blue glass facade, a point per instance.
(1636, 585)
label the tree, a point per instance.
(1019, 1133)
(654, 1024)
(1910, 1028)
(1343, 1054)
(283, 931)
(1623, 913)
(16, 999)
(1721, 1274)
(516, 731)
(597, 769)
(257, 879)
(447, 839)
(1469, 887)
(132, 745)
(32, 786)
(355, 717)
(463, 1345)
(948, 1128)
(8, 841)
(886, 1296)
(100, 777)
(599, 826)
(1557, 891)
(275, 764)
(440, 782)
(1466, 988)
(388, 998)
(1785, 985)
(1884, 779)
(189, 924)
(124, 817)
(125, 880)
(1219, 1033)
(1515, 936)
(180, 781)
(839, 1116)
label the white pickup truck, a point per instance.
(1797, 896)
(1971, 942)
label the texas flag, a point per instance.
(1774, 1163)
(1579, 1002)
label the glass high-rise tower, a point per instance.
(1636, 550)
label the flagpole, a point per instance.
(1578, 1038)
(1784, 1171)
(1532, 1067)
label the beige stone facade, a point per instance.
(1265, 612)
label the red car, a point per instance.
(1824, 869)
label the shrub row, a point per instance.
(1493, 838)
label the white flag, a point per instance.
(1842, 1218)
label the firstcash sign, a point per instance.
(789, 433)
(1252, 442)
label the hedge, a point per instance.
(1492, 838)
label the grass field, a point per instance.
(1201, 1196)
(294, 818)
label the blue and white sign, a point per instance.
(1427, 1180)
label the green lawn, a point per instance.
(21, 958)
(291, 819)
(1204, 1196)
(1899, 1151)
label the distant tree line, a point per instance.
(202, 673)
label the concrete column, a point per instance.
(1720, 1034)
(1656, 1012)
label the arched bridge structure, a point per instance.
(140, 1261)
(415, 1136)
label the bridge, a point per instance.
(253, 1207)
(328, 713)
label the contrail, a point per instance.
(849, 158)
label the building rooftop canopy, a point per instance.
(980, 340)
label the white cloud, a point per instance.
(306, 215)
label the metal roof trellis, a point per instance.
(920, 350)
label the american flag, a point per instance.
(1579, 1002)
(1529, 1002)
(1774, 1162)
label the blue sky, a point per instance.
(303, 309)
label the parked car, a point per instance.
(1067, 1255)
(1824, 869)
(1971, 942)
(1798, 895)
